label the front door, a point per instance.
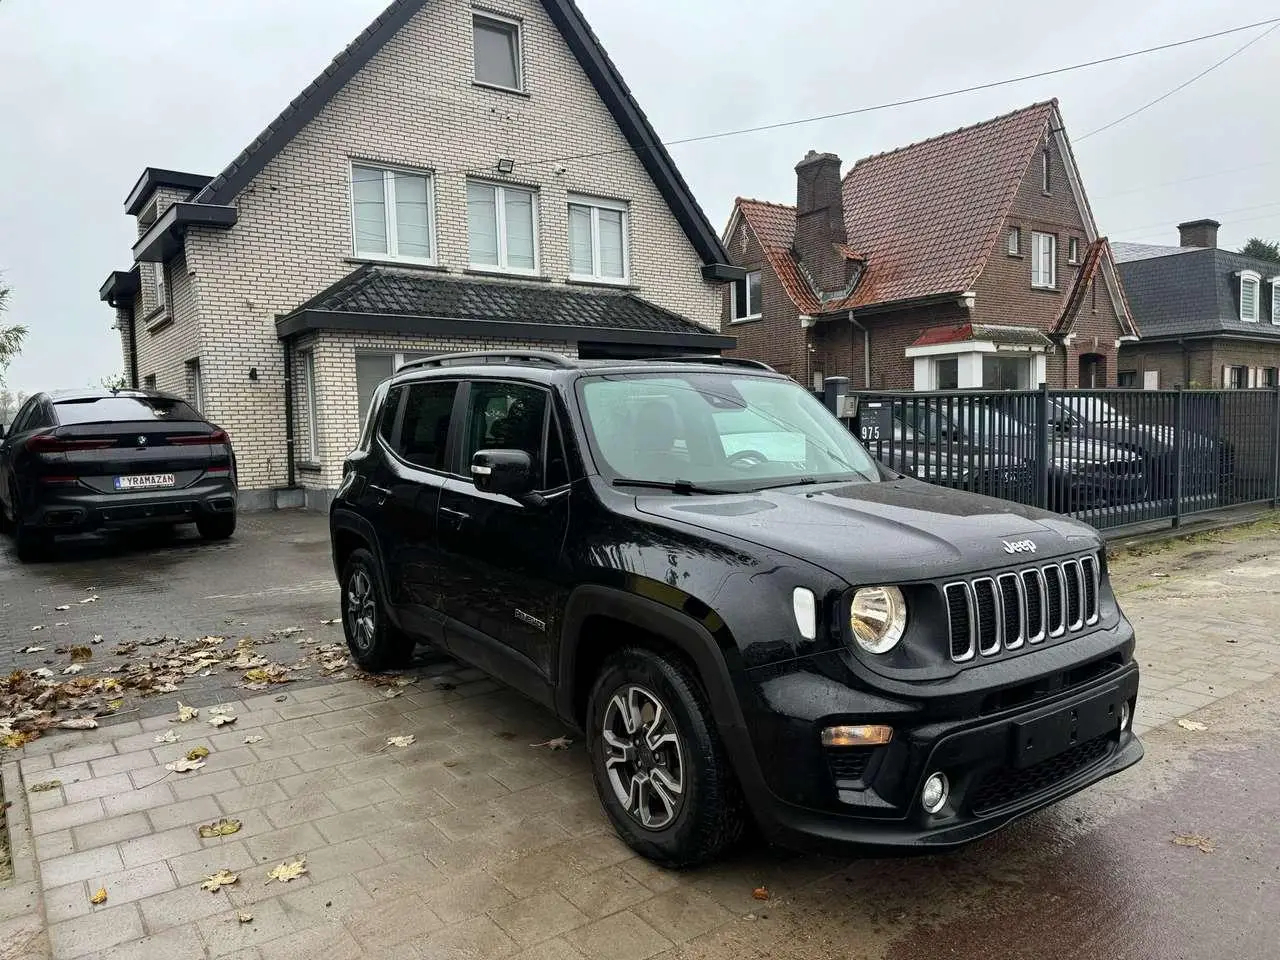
(501, 582)
(1093, 371)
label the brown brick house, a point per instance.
(1209, 317)
(971, 259)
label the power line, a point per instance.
(1248, 209)
(1181, 86)
(1199, 176)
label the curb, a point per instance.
(1121, 539)
(23, 929)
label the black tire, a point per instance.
(217, 526)
(375, 643)
(32, 545)
(709, 815)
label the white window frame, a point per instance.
(1275, 300)
(1013, 242)
(159, 284)
(519, 32)
(1254, 278)
(500, 215)
(595, 205)
(1073, 250)
(733, 299)
(389, 212)
(308, 358)
(1037, 276)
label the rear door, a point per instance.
(13, 452)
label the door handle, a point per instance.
(382, 493)
(458, 517)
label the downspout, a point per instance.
(133, 348)
(866, 352)
(288, 412)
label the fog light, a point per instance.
(866, 736)
(934, 795)
(1124, 716)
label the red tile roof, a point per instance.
(989, 332)
(924, 217)
(1098, 256)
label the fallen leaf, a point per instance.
(78, 723)
(1194, 725)
(392, 694)
(31, 650)
(62, 623)
(254, 738)
(116, 704)
(244, 917)
(197, 753)
(221, 719)
(169, 736)
(216, 881)
(288, 871)
(37, 627)
(556, 743)
(760, 893)
(184, 765)
(93, 599)
(74, 668)
(65, 606)
(100, 896)
(42, 672)
(44, 785)
(1203, 844)
(186, 713)
(329, 623)
(400, 741)
(81, 654)
(221, 828)
(97, 638)
(15, 739)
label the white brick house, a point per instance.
(461, 177)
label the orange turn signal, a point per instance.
(866, 736)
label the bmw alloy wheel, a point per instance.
(644, 756)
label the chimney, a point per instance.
(820, 220)
(1199, 233)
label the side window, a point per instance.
(23, 420)
(424, 430)
(506, 416)
(387, 419)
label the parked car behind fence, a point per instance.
(1110, 457)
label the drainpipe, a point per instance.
(288, 411)
(866, 352)
(133, 348)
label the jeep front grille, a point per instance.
(990, 614)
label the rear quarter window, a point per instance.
(123, 409)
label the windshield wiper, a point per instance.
(675, 486)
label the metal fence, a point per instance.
(1109, 457)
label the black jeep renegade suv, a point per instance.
(695, 563)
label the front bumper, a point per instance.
(1005, 753)
(80, 509)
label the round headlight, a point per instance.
(878, 618)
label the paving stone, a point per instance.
(87, 865)
(44, 799)
(468, 896)
(112, 830)
(324, 757)
(683, 914)
(121, 763)
(555, 949)
(180, 907)
(96, 787)
(392, 842)
(330, 941)
(204, 782)
(66, 902)
(141, 798)
(343, 859)
(265, 770)
(331, 899)
(66, 816)
(349, 826)
(323, 738)
(281, 844)
(177, 943)
(364, 794)
(59, 843)
(224, 934)
(530, 874)
(605, 891)
(97, 931)
(79, 754)
(185, 813)
(408, 876)
(389, 922)
(478, 937)
(251, 797)
(472, 790)
(159, 846)
(33, 765)
(300, 809)
(538, 918)
(623, 936)
(135, 883)
(195, 866)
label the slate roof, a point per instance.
(382, 291)
(1125, 252)
(591, 56)
(924, 217)
(1197, 294)
(983, 332)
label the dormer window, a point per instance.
(1250, 294)
(496, 44)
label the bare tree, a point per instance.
(10, 337)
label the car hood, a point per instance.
(887, 532)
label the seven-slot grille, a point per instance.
(993, 613)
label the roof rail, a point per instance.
(533, 357)
(714, 359)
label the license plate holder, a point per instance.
(1039, 738)
(146, 481)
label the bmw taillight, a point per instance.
(47, 443)
(191, 439)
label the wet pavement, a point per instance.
(474, 843)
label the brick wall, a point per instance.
(413, 105)
(777, 338)
(167, 338)
(1200, 363)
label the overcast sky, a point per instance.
(91, 92)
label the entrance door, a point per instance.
(1093, 371)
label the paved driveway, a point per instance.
(472, 842)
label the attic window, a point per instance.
(1015, 242)
(496, 42)
(1250, 293)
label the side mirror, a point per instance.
(508, 472)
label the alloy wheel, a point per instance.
(644, 756)
(362, 610)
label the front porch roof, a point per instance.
(382, 299)
(973, 333)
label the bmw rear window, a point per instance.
(123, 409)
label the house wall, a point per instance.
(777, 337)
(413, 105)
(840, 344)
(167, 338)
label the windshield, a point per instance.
(711, 429)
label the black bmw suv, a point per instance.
(696, 564)
(75, 461)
